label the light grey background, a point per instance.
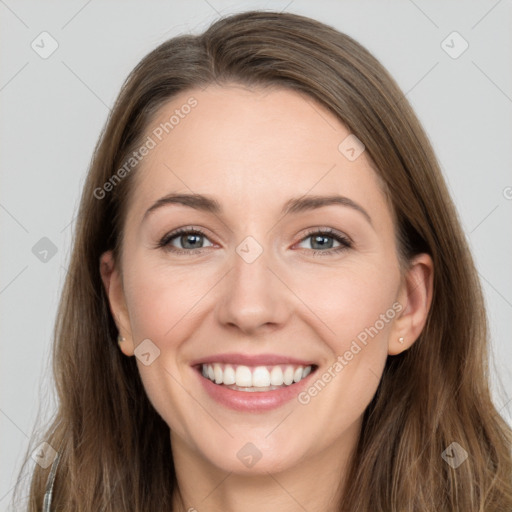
(53, 110)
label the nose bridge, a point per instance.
(252, 295)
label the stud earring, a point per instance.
(120, 339)
(400, 340)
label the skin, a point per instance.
(252, 150)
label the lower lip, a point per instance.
(256, 401)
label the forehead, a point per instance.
(259, 146)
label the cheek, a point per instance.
(161, 309)
(353, 302)
(161, 299)
(357, 307)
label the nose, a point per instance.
(254, 297)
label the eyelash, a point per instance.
(345, 242)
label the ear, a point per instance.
(111, 277)
(415, 296)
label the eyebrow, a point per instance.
(294, 205)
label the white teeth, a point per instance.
(243, 376)
(229, 375)
(259, 378)
(288, 375)
(217, 372)
(276, 376)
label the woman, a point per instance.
(270, 301)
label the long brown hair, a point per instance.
(114, 448)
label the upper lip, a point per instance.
(252, 360)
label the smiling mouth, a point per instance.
(254, 378)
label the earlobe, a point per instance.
(112, 283)
(415, 296)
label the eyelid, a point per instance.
(328, 231)
(164, 241)
(344, 240)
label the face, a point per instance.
(265, 282)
